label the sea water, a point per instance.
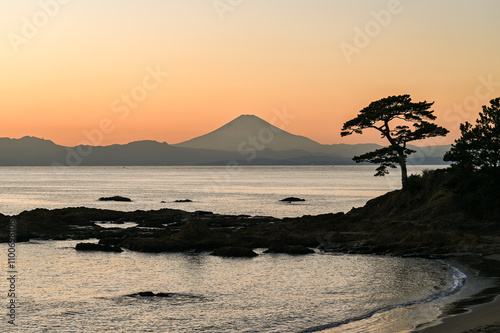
(223, 190)
(61, 290)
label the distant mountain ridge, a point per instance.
(246, 140)
(251, 131)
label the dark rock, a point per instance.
(149, 294)
(4, 238)
(115, 198)
(60, 223)
(185, 200)
(154, 245)
(194, 229)
(292, 199)
(198, 235)
(61, 237)
(202, 212)
(234, 251)
(22, 238)
(163, 201)
(110, 241)
(97, 247)
(289, 249)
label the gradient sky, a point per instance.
(66, 70)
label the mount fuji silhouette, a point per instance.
(247, 140)
(251, 131)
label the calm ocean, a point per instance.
(222, 190)
(61, 290)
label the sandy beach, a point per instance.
(481, 318)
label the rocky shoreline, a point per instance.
(177, 231)
(168, 230)
(433, 218)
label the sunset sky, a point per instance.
(170, 70)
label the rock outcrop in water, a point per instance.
(115, 198)
(97, 247)
(292, 199)
(440, 212)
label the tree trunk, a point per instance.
(404, 171)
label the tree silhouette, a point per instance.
(390, 116)
(479, 145)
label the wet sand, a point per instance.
(481, 318)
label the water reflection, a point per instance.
(270, 293)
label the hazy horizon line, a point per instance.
(173, 144)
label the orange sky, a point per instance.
(115, 72)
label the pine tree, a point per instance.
(479, 145)
(381, 115)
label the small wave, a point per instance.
(458, 277)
